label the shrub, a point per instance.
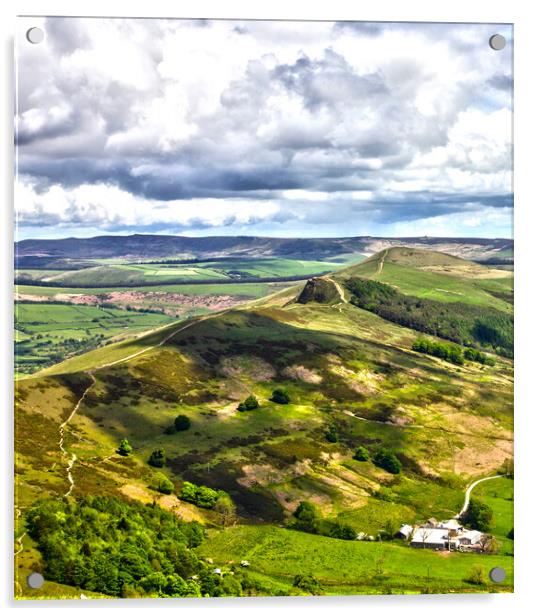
(170, 429)
(181, 423)
(510, 534)
(479, 515)
(361, 454)
(157, 458)
(249, 404)
(125, 448)
(280, 396)
(338, 530)
(388, 461)
(163, 484)
(308, 584)
(476, 576)
(332, 434)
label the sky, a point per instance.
(286, 129)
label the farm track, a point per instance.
(470, 489)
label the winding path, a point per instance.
(64, 452)
(470, 489)
(380, 263)
(339, 290)
(72, 456)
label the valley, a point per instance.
(352, 381)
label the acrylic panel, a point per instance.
(263, 308)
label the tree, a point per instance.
(332, 434)
(182, 423)
(388, 461)
(226, 508)
(479, 515)
(510, 534)
(157, 458)
(307, 518)
(489, 544)
(188, 492)
(163, 484)
(280, 396)
(125, 448)
(361, 454)
(249, 404)
(390, 530)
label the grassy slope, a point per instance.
(442, 418)
(437, 276)
(344, 567)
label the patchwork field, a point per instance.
(352, 381)
(171, 271)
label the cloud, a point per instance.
(199, 125)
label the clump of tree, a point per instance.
(122, 549)
(332, 434)
(361, 454)
(163, 484)
(308, 519)
(449, 352)
(475, 355)
(479, 516)
(280, 396)
(465, 324)
(249, 404)
(157, 458)
(202, 496)
(388, 461)
(125, 448)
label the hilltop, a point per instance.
(435, 275)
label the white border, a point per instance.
(518, 12)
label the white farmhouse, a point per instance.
(406, 530)
(470, 537)
(433, 538)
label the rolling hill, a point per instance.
(46, 253)
(353, 381)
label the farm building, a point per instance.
(432, 538)
(446, 535)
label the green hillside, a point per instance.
(351, 380)
(437, 276)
